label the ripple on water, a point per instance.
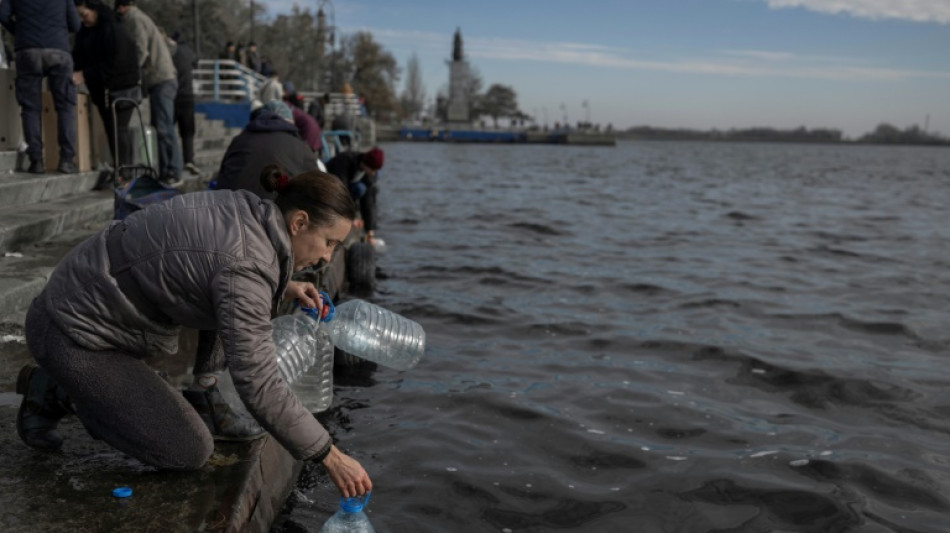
(710, 338)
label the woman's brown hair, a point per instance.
(322, 196)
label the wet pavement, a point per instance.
(242, 488)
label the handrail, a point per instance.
(217, 79)
(333, 143)
(226, 79)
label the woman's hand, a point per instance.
(305, 293)
(347, 474)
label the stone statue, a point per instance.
(457, 47)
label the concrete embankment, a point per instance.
(244, 485)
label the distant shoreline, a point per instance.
(627, 137)
(885, 134)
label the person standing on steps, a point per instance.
(218, 260)
(185, 62)
(41, 31)
(271, 89)
(104, 59)
(253, 57)
(161, 83)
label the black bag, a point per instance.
(135, 186)
(141, 191)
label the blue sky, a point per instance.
(844, 64)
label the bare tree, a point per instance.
(219, 21)
(290, 41)
(414, 96)
(473, 88)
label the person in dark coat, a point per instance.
(270, 138)
(41, 31)
(253, 57)
(185, 62)
(228, 51)
(160, 81)
(104, 59)
(316, 108)
(359, 170)
(266, 67)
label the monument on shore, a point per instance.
(458, 105)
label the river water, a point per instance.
(668, 337)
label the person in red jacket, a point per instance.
(309, 130)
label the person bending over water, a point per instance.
(214, 260)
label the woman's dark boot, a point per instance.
(217, 402)
(44, 404)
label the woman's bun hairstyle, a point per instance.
(273, 179)
(323, 196)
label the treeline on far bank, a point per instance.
(883, 134)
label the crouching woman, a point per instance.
(216, 260)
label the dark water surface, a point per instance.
(680, 337)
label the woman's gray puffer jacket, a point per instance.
(216, 260)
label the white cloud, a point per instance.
(764, 55)
(759, 63)
(914, 10)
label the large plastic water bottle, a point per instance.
(305, 358)
(349, 518)
(371, 332)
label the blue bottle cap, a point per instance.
(122, 492)
(354, 505)
(328, 309)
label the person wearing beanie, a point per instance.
(360, 172)
(280, 109)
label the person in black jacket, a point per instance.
(104, 58)
(358, 170)
(270, 138)
(185, 62)
(41, 31)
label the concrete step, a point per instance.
(43, 230)
(27, 224)
(7, 161)
(209, 160)
(219, 143)
(209, 128)
(23, 275)
(21, 188)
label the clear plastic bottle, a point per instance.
(371, 332)
(305, 358)
(349, 518)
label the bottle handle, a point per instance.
(355, 503)
(328, 309)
